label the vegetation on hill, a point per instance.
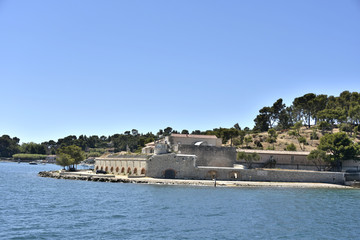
(311, 109)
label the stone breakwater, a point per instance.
(89, 176)
(84, 177)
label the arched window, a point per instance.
(97, 167)
(143, 171)
(129, 170)
(112, 169)
(135, 170)
(106, 169)
(101, 168)
(122, 170)
(117, 169)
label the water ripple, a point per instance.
(43, 208)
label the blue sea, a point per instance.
(32, 207)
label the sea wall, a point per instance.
(118, 179)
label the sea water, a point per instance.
(32, 207)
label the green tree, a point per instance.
(297, 128)
(67, 141)
(93, 141)
(269, 116)
(314, 135)
(305, 107)
(134, 132)
(229, 134)
(272, 137)
(248, 139)
(318, 104)
(249, 158)
(69, 155)
(64, 160)
(285, 119)
(196, 132)
(302, 141)
(356, 131)
(324, 126)
(354, 114)
(9, 146)
(296, 133)
(344, 101)
(319, 158)
(32, 148)
(184, 131)
(261, 123)
(290, 147)
(339, 147)
(167, 131)
(237, 126)
(276, 109)
(332, 116)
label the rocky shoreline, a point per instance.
(90, 176)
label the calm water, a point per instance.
(44, 208)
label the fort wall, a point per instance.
(210, 156)
(131, 165)
(183, 166)
(284, 160)
(268, 175)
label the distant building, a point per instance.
(50, 158)
(149, 148)
(174, 140)
(190, 139)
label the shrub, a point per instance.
(291, 147)
(270, 147)
(314, 135)
(258, 144)
(27, 156)
(93, 154)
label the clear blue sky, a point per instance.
(104, 67)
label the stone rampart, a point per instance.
(210, 156)
(182, 165)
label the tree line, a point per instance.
(311, 109)
(129, 140)
(324, 111)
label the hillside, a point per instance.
(283, 140)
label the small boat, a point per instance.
(33, 163)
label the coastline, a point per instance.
(90, 176)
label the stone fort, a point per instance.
(185, 156)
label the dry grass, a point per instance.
(284, 139)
